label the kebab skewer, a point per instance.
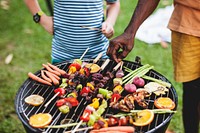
(61, 91)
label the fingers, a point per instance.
(112, 51)
(107, 30)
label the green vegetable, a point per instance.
(64, 83)
(139, 72)
(158, 81)
(100, 111)
(104, 104)
(107, 94)
(92, 120)
(64, 109)
(156, 111)
(79, 87)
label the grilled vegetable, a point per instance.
(86, 115)
(75, 65)
(73, 101)
(60, 102)
(117, 81)
(62, 72)
(119, 74)
(78, 61)
(36, 78)
(107, 94)
(139, 82)
(95, 103)
(49, 69)
(130, 87)
(84, 91)
(64, 109)
(55, 79)
(115, 97)
(118, 89)
(61, 91)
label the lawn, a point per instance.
(31, 46)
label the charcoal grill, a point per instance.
(24, 111)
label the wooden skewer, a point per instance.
(78, 125)
(51, 99)
(59, 92)
(84, 53)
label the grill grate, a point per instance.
(29, 87)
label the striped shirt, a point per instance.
(70, 39)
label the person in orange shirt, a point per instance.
(185, 26)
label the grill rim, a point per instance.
(21, 114)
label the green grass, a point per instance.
(31, 46)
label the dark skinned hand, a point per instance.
(125, 42)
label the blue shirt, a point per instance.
(70, 39)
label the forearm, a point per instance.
(112, 12)
(33, 6)
(143, 10)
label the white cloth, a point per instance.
(154, 29)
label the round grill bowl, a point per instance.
(24, 111)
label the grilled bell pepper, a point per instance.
(107, 94)
(73, 94)
(118, 89)
(60, 102)
(72, 70)
(75, 65)
(90, 85)
(85, 90)
(73, 101)
(79, 87)
(87, 71)
(61, 91)
(115, 97)
(86, 115)
(95, 103)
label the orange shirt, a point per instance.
(186, 17)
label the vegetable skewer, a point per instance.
(59, 92)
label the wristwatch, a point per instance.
(37, 16)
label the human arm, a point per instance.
(125, 41)
(45, 21)
(112, 12)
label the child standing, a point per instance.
(70, 39)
